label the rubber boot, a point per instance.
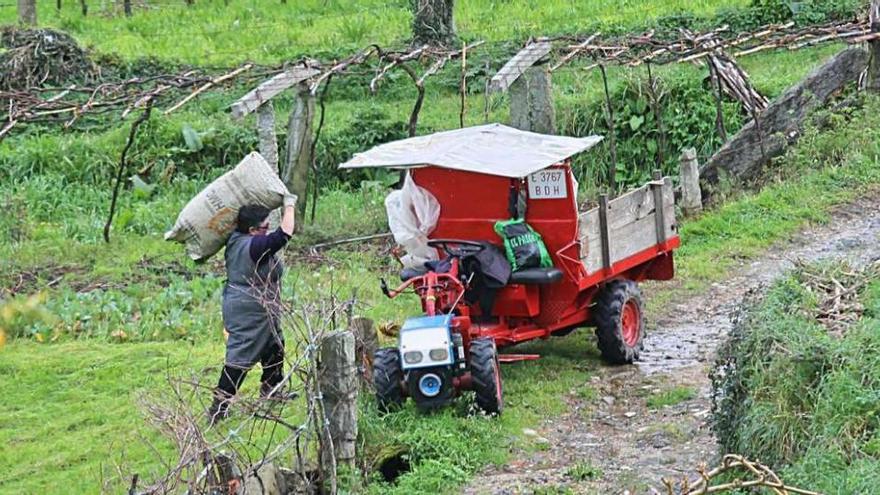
(280, 394)
(219, 408)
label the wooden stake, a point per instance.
(605, 238)
(658, 117)
(134, 127)
(719, 115)
(873, 83)
(420, 98)
(612, 139)
(463, 84)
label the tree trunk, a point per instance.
(744, 155)
(874, 47)
(27, 12)
(126, 7)
(433, 23)
(298, 160)
(84, 7)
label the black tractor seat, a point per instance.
(535, 276)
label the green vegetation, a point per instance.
(800, 397)
(670, 397)
(443, 449)
(94, 327)
(212, 33)
(584, 471)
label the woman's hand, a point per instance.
(287, 217)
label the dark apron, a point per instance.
(251, 301)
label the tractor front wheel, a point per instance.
(387, 378)
(620, 321)
(486, 375)
(430, 388)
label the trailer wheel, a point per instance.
(620, 321)
(486, 375)
(387, 376)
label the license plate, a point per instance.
(548, 184)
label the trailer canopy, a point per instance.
(492, 149)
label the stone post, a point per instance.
(531, 101)
(691, 196)
(339, 387)
(266, 132)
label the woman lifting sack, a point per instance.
(251, 310)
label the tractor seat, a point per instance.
(535, 276)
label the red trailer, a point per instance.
(485, 174)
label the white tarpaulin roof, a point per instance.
(492, 149)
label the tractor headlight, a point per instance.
(413, 357)
(439, 354)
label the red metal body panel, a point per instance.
(470, 205)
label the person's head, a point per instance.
(253, 219)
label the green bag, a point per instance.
(522, 245)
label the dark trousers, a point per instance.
(272, 360)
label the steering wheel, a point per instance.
(457, 247)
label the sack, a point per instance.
(522, 245)
(207, 221)
(412, 215)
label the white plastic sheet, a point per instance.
(412, 215)
(492, 149)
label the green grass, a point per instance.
(584, 471)
(670, 397)
(51, 381)
(212, 33)
(801, 399)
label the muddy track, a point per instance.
(632, 446)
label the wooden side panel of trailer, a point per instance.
(632, 225)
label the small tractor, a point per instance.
(486, 174)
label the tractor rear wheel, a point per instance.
(387, 378)
(620, 321)
(486, 375)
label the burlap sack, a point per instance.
(207, 221)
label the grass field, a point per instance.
(267, 31)
(85, 385)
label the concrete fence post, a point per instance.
(691, 196)
(531, 101)
(266, 132)
(339, 388)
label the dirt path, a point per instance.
(616, 444)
